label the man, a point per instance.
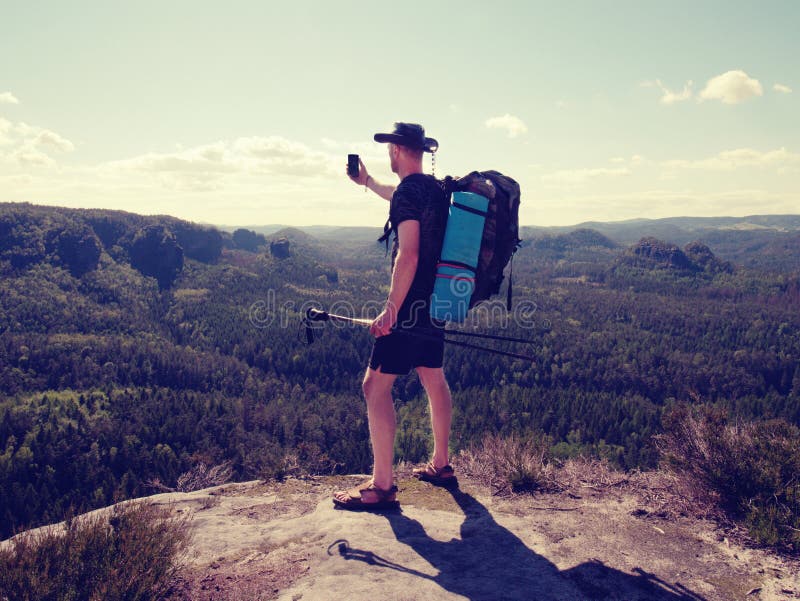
(418, 215)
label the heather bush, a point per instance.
(132, 552)
(751, 471)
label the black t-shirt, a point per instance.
(420, 197)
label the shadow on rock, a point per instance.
(490, 563)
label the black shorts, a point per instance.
(398, 352)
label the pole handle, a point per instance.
(313, 314)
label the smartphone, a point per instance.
(352, 165)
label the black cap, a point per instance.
(411, 135)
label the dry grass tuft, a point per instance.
(199, 477)
(511, 465)
(590, 472)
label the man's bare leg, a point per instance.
(377, 387)
(441, 406)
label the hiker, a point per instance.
(418, 216)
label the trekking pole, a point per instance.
(318, 315)
(489, 336)
(464, 344)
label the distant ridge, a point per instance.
(344, 233)
(678, 229)
(757, 240)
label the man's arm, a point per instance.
(383, 190)
(365, 179)
(405, 268)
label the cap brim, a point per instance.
(431, 145)
(388, 138)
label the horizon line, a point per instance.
(285, 225)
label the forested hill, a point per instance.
(135, 348)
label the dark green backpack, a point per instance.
(500, 233)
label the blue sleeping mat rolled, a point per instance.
(455, 272)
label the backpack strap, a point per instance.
(510, 283)
(511, 274)
(387, 231)
(448, 186)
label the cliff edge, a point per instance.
(286, 541)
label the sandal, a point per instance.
(366, 497)
(442, 476)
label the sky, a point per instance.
(243, 112)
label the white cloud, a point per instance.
(671, 97)
(727, 160)
(270, 148)
(8, 98)
(208, 158)
(579, 176)
(200, 168)
(30, 157)
(668, 96)
(731, 87)
(251, 179)
(779, 87)
(514, 126)
(51, 138)
(27, 144)
(5, 131)
(635, 160)
(205, 167)
(278, 155)
(558, 209)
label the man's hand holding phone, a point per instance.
(358, 173)
(356, 170)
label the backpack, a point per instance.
(491, 200)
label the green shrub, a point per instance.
(132, 552)
(751, 470)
